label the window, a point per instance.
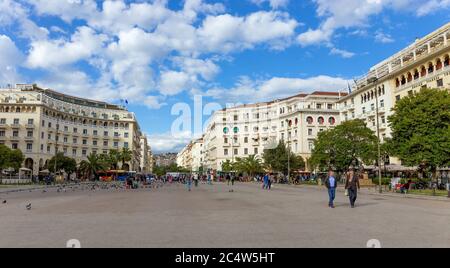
(236, 118)
(75, 130)
(372, 107)
(85, 132)
(440, 82)
(246, 151)
(30, 121)
(74, 152)
(319, 106)
(94, 143)
(95, 133)
(30, 134)
(236, 151)
(256, 151)
(310, 132)
(2, 133)
(48, 149)
(84, 142)
(332, 120)
(14, 146)
(309, 120)
(65, 139)
(16, 121)
(15, 133)
(381, 103)
(383, 120)
(84, 152)
(3, 121)
(246, 140)
(75, 140)
(66, 128)
(65, 151)
(311, 146)
(105, 143)
(125, 144)
(397, 98)
(330, 106)
(126, 134)
(49, 124)
(43, 123)
(225, 140)
(105, 133)
(116, 134)
(321, 120)
(116, 144)
(225, 152)
(49, 136)
(363, 110)
(42, 147)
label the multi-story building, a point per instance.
(41, 122)
(146, 162)
(423, 64)
(191, 157)
(250, 129)
(165, 159)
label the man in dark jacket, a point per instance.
(331, 184)
(352, 186)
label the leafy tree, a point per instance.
(90, 167)
(10, 158)
(250, 165)
(277, 159)
(15, 159)
(69, 165)
(348, 144)
(421, 129)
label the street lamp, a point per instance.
(289, 151)
(374, 80)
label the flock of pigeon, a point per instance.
(91, 187)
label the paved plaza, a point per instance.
(211, 216)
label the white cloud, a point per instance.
(168, 142)
(273, 3)
(275, 88)
(343, 53)
(384, 38)
(173, 83)
(54, 53)
(10, 59)
(154, 102)
(432, 6)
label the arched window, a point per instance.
(403, 80)
(430, 68)
(17, 110)
(309, 120)
(447, 61)
(105, 124)
(438, 64)
(290, 123)
(116, 125)
(321, 120)
(372, 95)
(410, 77)
(332, 120)
(423, 71)
(382, 90)
(416, 75)
(397, 82)
(296, 121)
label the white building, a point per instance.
(41, 122)
(250, 129)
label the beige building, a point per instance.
(250, 129)
(191, 157)
(425, 63)
(146, 162)
(41, 122)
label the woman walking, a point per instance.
(352, 186)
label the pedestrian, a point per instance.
(209, 179)
(331, 184)
(189, 183)
(352, 186)
(266, 181)
(196, 180)
(228, 178)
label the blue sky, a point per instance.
(159, 53)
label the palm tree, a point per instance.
(115, 157)
(252, 165)
(92, 166)
(125, 156)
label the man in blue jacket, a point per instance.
(331, 185)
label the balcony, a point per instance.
(15, 125)
(30, 126)
(3, 138)
(117, 137)
(3, 125)
(29, 139)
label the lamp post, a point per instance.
(56, 144)
(374, 80)
(289, 152)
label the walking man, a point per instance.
(331, 185)
(266, 181)
(352, 186)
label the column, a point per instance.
(445, 39)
